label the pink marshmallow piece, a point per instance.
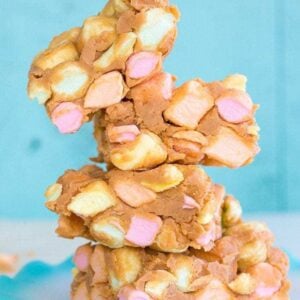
(143, 230)
(167, 85)
(232, 111)
(268, 278)
(189, 202)
(67, 117)
(82, 257)
(123, 134)
(128, 293)
(205, 238)
(263, 291)
(141, 64)
(235, 106)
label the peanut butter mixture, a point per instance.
(113, 66)
(169, 208)
(88, 68)
(190, 124)
(242, 265)
(159, 228)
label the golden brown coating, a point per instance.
(169, 208)
(130, 38)
(137, 274)
(196, 123)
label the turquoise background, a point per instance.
(216, 38)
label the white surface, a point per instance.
(35, 240)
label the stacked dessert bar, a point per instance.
(157, 226)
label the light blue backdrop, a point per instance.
(257, 38)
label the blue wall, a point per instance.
(257, 38)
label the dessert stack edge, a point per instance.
(240, 261)
(157, 226)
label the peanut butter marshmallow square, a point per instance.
(196, 123)
(243, 264)
(88, 68)
(169, 208)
